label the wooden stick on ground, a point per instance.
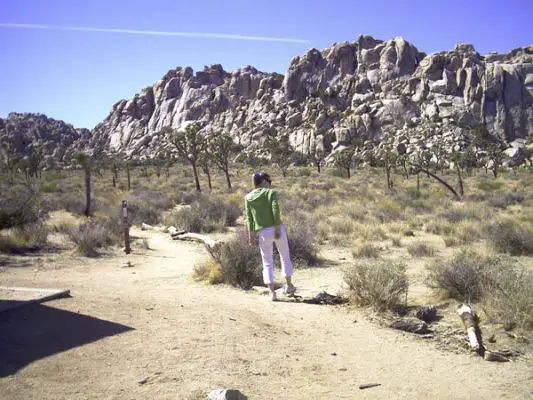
(470, 322)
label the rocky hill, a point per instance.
(328, 97)
(25, 133)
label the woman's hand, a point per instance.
(277, 233)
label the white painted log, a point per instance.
(146, 227)
(469, 321)
(172, 230)
(197, 237)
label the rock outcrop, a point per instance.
(25, 133)
(326, 99)
(329, 97)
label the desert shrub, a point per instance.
(313, 199)
(451, 241)
(388, 210)
(207, 214)
(326, 186)
(489, 185)
(371, 232)
(455, 215)
(366, 250)
(502, 285)
(210, 271)
(506, 237)
(504, 200)
(379, 284)
(510, 300)
(72, 201)
(19, 206)
(49, 187)
(95, 234)
(440, 226)
(461, 277)
(421, 249)
(396, 241)
(468, 232)
(303, 172)
(148, 206)
(240, 263)
(301, 231)
(342, 226)
(22, 239)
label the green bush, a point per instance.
(383, 285)
(19, 206)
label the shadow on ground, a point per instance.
(36, 331)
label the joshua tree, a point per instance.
(84, 160)
(343, 160)
(189, 144)
(205, 161)
(280, 151)
(220, 147)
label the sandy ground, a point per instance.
(152, 323)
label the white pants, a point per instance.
(266, 241)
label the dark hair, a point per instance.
(259, 177)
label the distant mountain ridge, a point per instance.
(327, 98)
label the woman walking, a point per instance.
(265, 228)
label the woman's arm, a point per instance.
(249, 223)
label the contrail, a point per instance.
(157, 33)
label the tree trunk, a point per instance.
(114, 182)
(460, 183)
(389, 178)
(88, 190)
(472, 329)
(196, 180)
(348, 172)
(129, 178)
(228, 181)
(418, 184)
(441, 181)
(209, 180)
(318, 168)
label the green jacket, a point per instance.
(262, 209)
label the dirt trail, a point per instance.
(153, 321)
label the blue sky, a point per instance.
(77, 75)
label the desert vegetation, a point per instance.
(389, 211)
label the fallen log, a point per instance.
(146, 227)
(470, 322)
(211, 243)
(410, 324)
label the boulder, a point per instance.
(226, 394)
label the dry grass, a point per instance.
(23, 239)
(367, 250)
(94, 235)
(502, 285)
(421, 249)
